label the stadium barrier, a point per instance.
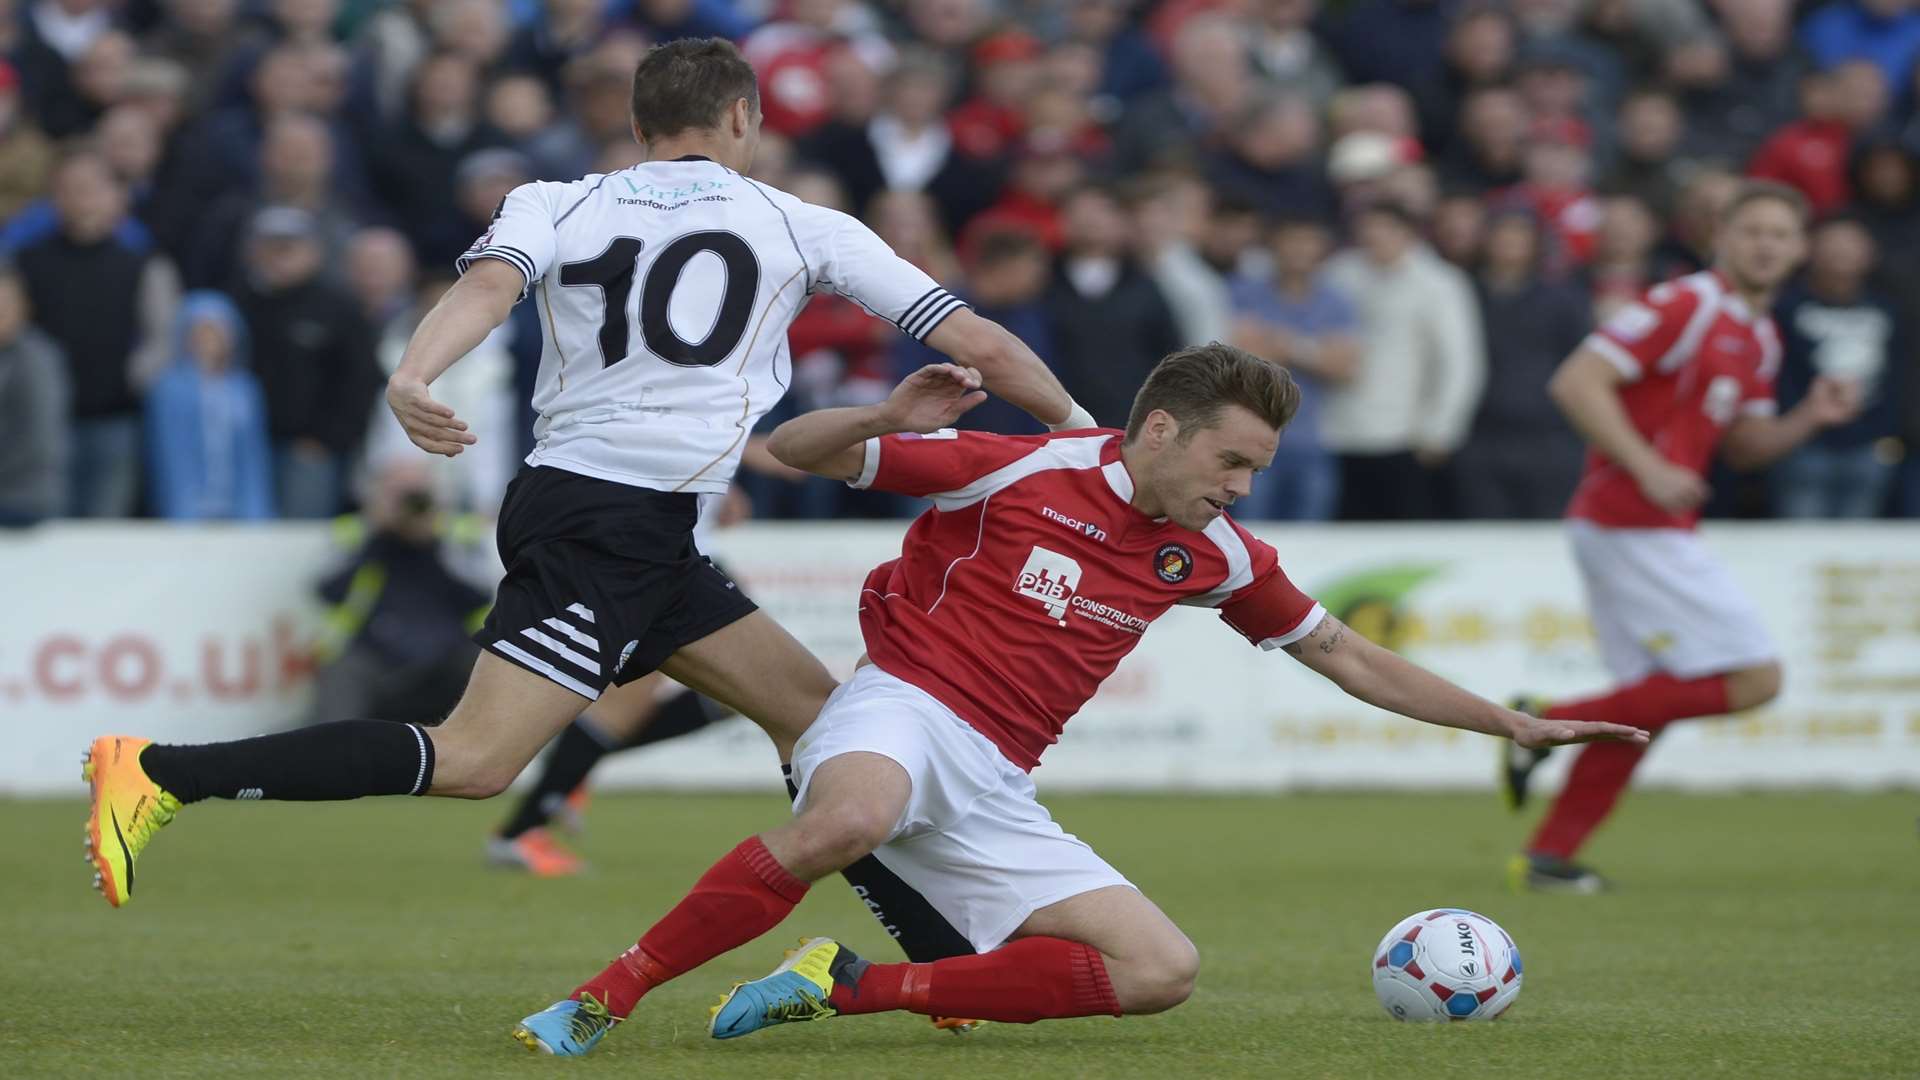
(200, 633)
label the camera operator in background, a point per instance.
(402, 605)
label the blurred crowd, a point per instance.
(221, 219)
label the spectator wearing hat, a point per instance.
(26, 154)
(1812, 154)
(34, 412)
(206, 422)
(109, 303)
(1108, 321)
(1521, 460)
(1422, 366)
(316, 359)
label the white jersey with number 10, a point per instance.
(664, 293)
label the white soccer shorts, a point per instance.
(1660, 601)
(973, 839)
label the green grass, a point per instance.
(1751, 936)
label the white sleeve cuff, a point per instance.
(1307, 625)
(868, 468)
(1621, 359)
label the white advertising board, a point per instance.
(200, 633)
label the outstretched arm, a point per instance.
(481, 300)
(1383, 679)
(1008, 368)
(832, 442)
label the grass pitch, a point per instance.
(1751, 936)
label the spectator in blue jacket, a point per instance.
(207, 421)
(1886, 32)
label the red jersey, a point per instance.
(1696, 358)
(1033, 576)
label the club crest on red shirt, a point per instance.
(1173, 563)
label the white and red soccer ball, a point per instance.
(1446, 964)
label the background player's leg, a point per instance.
(506, 715)
(1601, 773)
(595, 733)
(1102, 953)
(756, 668)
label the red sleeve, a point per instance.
(944, 462)
(1641, 334)
(1269, 610)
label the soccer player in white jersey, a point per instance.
(1664, 386)
(1038, 569)
(664, 293)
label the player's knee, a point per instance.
(1753, 687)
(836, 837)
(1163, 976)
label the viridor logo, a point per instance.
(1086, 528)
(1050, 578)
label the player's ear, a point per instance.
(741, 117)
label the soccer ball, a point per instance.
(1446, 964)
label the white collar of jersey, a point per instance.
(1121, 482)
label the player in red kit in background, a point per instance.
(1657, 391)
(1042, 562)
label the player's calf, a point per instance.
(1150, 963)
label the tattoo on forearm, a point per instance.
(1337, 633)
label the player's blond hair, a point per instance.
(1195, 384)
(1753, 191)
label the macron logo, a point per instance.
(1050, 578)
(1086, 528)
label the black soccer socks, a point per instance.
(344, 760)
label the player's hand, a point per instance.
(1672, 487)
(429, 424)
(1832, 401)
(933, 398)
(1538, 733)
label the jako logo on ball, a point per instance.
(1446, 964)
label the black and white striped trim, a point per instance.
(512, 256)
(563, 648)
(929, 311)
(420, 778)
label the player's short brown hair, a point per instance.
(1753, 191)
(688, 85)
(1195, 384)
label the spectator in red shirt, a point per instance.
(1811, 154)
(1558, 174)
(1006, 69)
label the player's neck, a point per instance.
(683, 146)
(1758, 300)
(1144, 499)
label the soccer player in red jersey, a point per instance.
(1042, 562)
(1657, 391)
